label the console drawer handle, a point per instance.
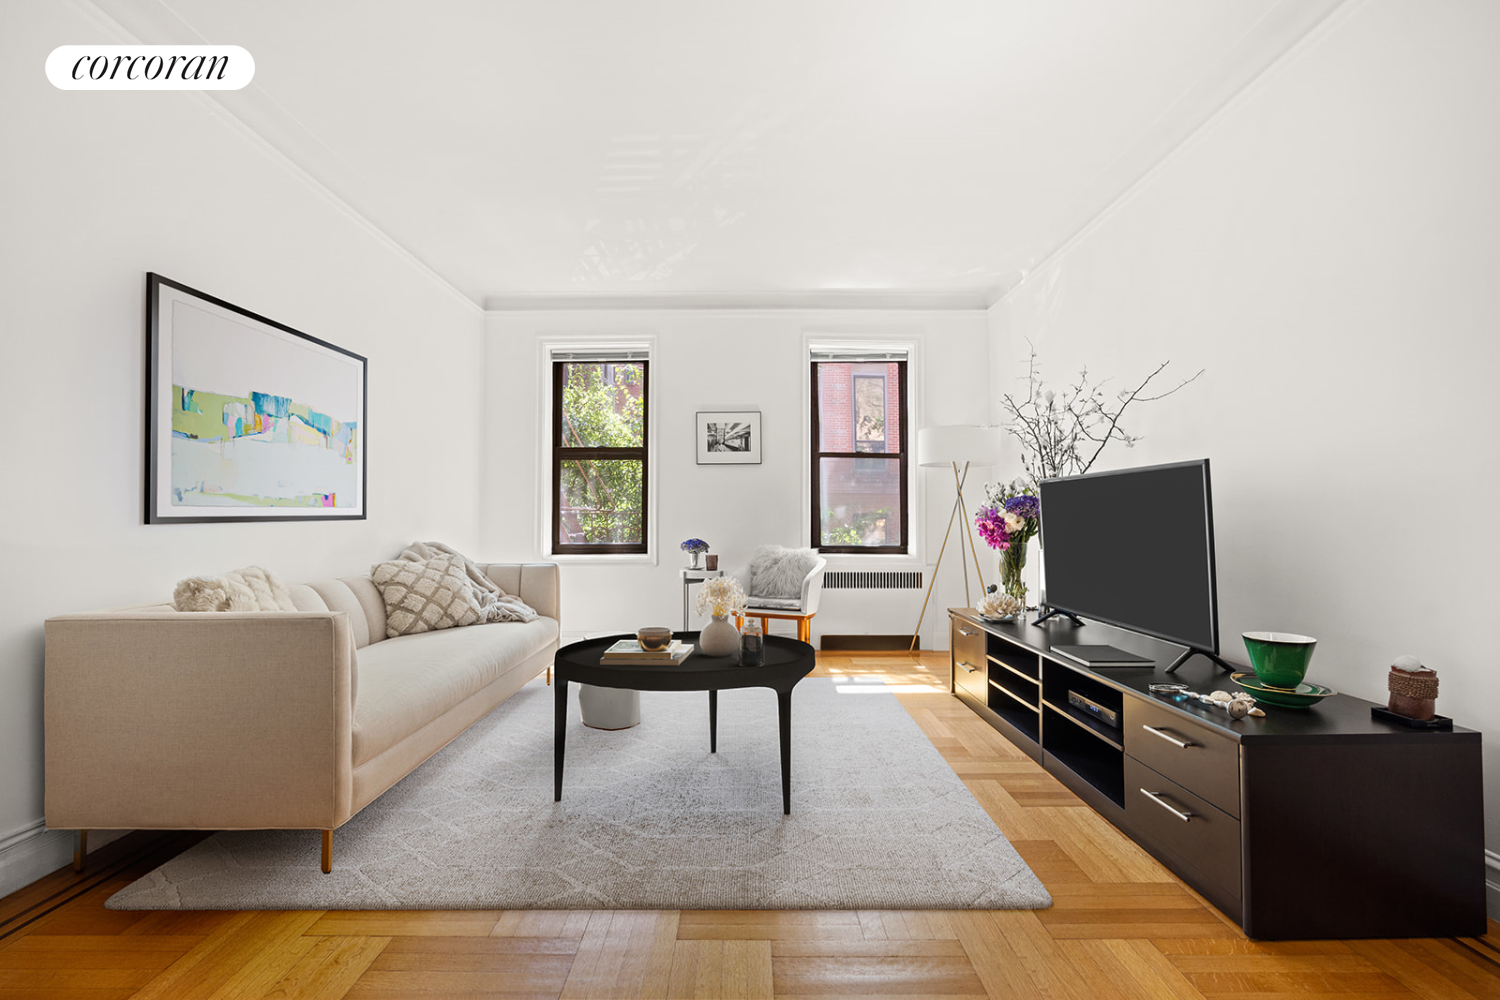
(1170, 739)
(964, 631)
(970, 669)
(1156, 797)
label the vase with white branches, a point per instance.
(1061, 434)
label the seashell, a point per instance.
(1408, 663)
(1257, 713)
(998, 605)
(1238, 709)
(1222, 697)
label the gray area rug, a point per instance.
(649, 820)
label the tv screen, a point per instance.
(1134, 548)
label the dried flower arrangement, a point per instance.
(721, 597)
(694, 545)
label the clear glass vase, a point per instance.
(1012, 569)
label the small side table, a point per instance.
(690, 577)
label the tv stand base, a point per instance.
(1188, 654)
(1058, 611)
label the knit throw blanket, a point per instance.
(248, 589)
(495, 605)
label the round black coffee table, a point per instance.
(787, 662)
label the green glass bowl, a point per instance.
(1280, 659)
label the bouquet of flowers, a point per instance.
(1009, 518)
(694, 547)
(721, 597)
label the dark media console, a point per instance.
(1315, 823)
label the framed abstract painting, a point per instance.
(729, 438)
(247, 419)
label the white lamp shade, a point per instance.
(961, 443)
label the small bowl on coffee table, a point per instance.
(654, 638)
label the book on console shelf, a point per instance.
(1102, 656)
(630, 651)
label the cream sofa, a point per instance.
(157, 719)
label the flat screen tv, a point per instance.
(1135, 548)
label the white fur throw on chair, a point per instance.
(778, 572)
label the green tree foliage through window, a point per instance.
(600, 456)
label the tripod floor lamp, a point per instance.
(956, 445)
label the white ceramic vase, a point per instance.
(719, 637)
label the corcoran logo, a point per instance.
(150, 67)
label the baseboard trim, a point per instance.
(1492, 884)
(34, 852)
(867, 643)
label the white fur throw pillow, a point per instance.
(427, 595)
(247, 589)
(778, 572)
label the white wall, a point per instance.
(1327, 248)
(98, 189)
(727, 359)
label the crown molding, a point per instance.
(828, 298)
(1285, 30)
(260, 120)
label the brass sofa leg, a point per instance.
(327, 851)
(80, 850)
(549, 675)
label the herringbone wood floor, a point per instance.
(1121, 926)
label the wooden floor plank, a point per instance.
(924, 976)
(995, 962)
(406, 923)
(1430, 973)
(329, 969)
(245, 957)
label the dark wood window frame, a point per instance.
(561, 454)
(900, 457)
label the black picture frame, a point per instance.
(191, 335)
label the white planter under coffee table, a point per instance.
(609, 708)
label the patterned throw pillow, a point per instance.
(423, 596)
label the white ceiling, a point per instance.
(578, 150)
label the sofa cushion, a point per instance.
(407, 681)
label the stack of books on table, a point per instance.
(630, 651)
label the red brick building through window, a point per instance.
(859, 456)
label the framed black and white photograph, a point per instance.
(247, 419)
(729, 438)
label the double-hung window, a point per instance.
(599, 451)
(859, 450)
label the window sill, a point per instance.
(872, 561)
(633, 559)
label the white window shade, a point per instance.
(853, 353)
(600, 354)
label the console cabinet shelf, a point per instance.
(1316, 823)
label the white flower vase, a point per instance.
(719, 637)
